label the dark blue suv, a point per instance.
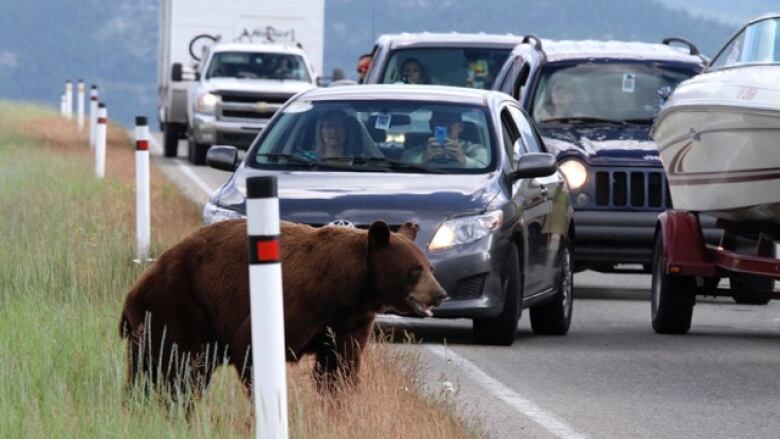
(594, 102)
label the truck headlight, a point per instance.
(575, 172)
(207, 103)
(213, 213)
(462, 230)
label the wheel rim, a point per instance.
(566, 285)
(655, 290)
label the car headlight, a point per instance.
(213, 213)
(462, 230)
(575, 172)
(207, 103)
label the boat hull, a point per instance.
(724, 160)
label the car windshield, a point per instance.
(258, 65)
(605, 91)
(460, 67)
(377, 136)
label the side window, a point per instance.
(513, 144)
(526, 130)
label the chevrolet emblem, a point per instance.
(261, 107)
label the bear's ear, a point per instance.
(378, 235)
(409, 230)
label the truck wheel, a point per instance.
(554, 317)
(196, 152)
(672, 297)
(501, 330)
(171, 140)
(752, 290)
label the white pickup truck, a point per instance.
(238, 88)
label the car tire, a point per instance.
(751, 290)
(554, 317)
(196, 152)
(671, 297)
(501, 330)
(171, 141)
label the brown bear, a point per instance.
(189, 311)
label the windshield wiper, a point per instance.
(640, 121)
(583, 119)
(397, 164)
(330, 163)
(290, 159)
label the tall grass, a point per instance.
(65, 267)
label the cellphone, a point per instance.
(440, 134)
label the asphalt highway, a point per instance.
(611, 376)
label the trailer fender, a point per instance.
(685, 251)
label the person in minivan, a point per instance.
(450, 148)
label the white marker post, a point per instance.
(62, 105)
(143, 211)
(80, 105)
(267, 309)
(101, 132)
(93, 107)
(68, 99)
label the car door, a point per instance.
(551, 188)
(529, 199)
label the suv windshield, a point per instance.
(604, 91)
(460, 67)
(378, 136)
(259, 65)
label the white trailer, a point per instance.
(181, 20)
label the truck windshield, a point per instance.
(460, 67)
(378, 136)
(605, 91)
(257, 65)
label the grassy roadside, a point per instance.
(64, 271)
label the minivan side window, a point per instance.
(529, 137)
(730, 54)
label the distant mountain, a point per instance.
(114, 43)
(725, 11)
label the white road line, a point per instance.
(186, 170)
(546, 420)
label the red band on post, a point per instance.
(267, 251)
(101, 120)
(142, 145)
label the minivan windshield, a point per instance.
(456, 66)
(257, 65)
(377, 136)
(605, 91)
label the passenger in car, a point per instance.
(413, 72)
(452, 149)
(340, 136)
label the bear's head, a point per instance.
(400, 273)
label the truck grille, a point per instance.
(247, 114)
(632, 189)
(244, 98)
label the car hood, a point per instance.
(256, 85)
(363, 197)
(624, 146)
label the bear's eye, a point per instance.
(415, 273)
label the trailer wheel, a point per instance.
(171, 141)
(751, 290)
(672, 297)
(196, 152)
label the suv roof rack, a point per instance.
(693, 50)
(537, 41)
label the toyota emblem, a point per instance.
(342, 223)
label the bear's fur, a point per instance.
(189, 311)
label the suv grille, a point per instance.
(632, 189)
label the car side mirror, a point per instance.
(176, 72)
(535, 164)
(222, 157)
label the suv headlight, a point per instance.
(213, 213)
(575, 172)
(462, 230)
(207, 103)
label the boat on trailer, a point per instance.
(719, 140)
